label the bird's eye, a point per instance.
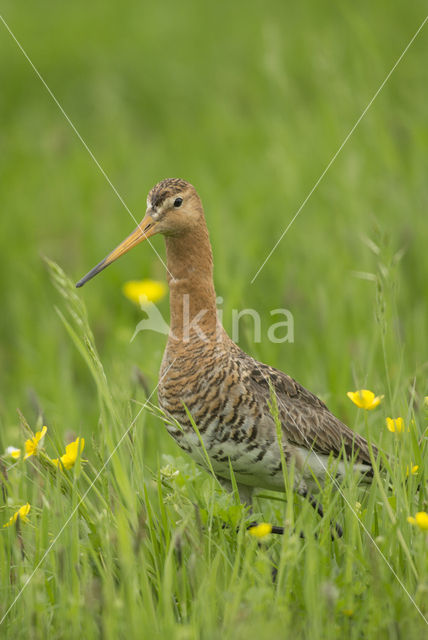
(178, 202)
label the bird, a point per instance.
(208, 382)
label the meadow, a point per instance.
(249, 102)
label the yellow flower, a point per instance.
(426, 401)
(261, 530)
(142, 292)
(22, 513)
(395, 425)
(364, 399)
(413, 469)
(72, 450)
(32, 444)
(13, 452)
(420, 520)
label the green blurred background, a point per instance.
(248, 101)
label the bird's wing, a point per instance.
(305, 419)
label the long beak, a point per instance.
(145, 229)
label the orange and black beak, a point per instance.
(145, 229)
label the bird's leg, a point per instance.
(245, 492)
(317, 506)
(246, 498)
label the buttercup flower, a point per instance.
(22, 513)
(261, 530)
(395, 425)
(72, 450)
(13, 452)
(412, 469)
(364, 399)
(143, 291)
(32, 444)
(420, 520)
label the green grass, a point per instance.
(248, 101)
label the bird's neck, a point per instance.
(193, 313)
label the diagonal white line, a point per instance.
(42, 559)
(397, 62)
(338, 487)
(54, 98)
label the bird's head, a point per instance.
(173, 208)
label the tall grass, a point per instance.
(114, 545)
